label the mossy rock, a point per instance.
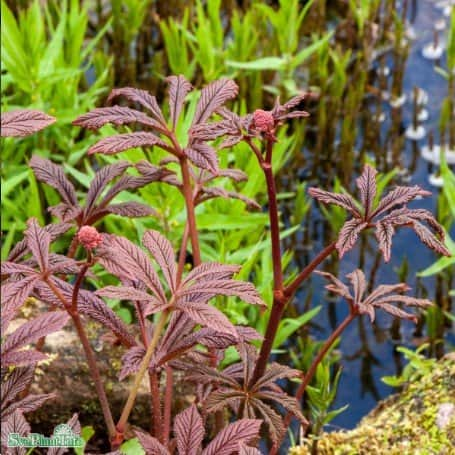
(418, 421)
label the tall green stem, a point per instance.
(140, 375)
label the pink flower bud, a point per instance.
(263, 121)
(89, 237)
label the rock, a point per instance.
(419, 420)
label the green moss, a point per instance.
(404, 424)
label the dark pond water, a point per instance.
(369, 353)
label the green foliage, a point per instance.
(86, 432)
(49, 65)
(132, 447)
(418, 366)
(322, 395)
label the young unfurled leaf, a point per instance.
(163, 253)
(179, 87)
(189, 430)
(139, 96)
(38, 241)
(213, 96)
(367, 186)
(24, 122)
(101, 179)
(48, 172)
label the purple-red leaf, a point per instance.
(203, 156)
(242, 289)
(247, 450)
(8, 268)
(367, 186)
(126, 260)
(209, 271)
(235, 174)
(117, 115)
(336, 286)
(130, 209)
(228, 439)
(131, 361)
(121, 142)
(14, 294)
(208, 316)
(90, 305)
(384, 233)
(22, 357)
(189, 430)
(213, 191)
(150, 444)
(101, 179)
(65, 212)
(133, 294)
(139, 96)
(213, 96)
(24, 122)
(16, 423)
(178, 89)
(359, 284)
(94, 307)
(272, 419)
(33, 330)
(63, 264)
(52, 174)
(38, 241)
(163, 253)
(401, 195)
(349, 234)
(341, 200)
(54, 230)
(30, 403)
(15, 383)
